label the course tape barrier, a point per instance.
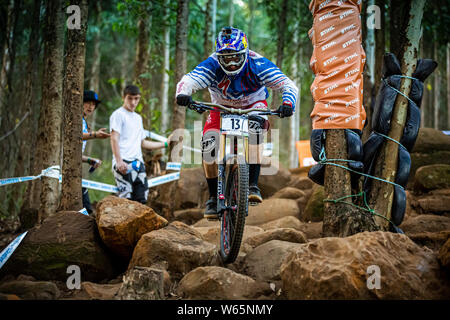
(53, 172)
(8, 251)
(160, 138)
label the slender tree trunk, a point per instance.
(214, 18)
(29, 127)
(142, 67)
(71, 196)
(437, 86)
(381, 197)
(207, 47)
(165, 113)
(181, 66)
(380, 44)
(94, 82)
(276, 97)
(231, 16)
(251, 8)
(369, 74)
(5, 61)
(51, 109)
(448, 85)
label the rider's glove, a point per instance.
(285, 110)
(184, 100)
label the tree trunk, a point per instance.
(180, 69)
(71, 196)
(381, 196)
(380, 43)
(437, 86)
(251, 8)
(165, 113)
(29, 127)
(141, 71)
(94, 82)
(51, 109)
(207, 47)
(275, 123)
(341, 219)
(399, 15)
(448, 85)
(369, 74)
(231, 16)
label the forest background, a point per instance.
(131, 41)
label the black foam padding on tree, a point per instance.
(316, 143)
(398, 205)
(354, 145)
(317, 173)
(412, 126)
(403, 166)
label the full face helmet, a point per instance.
(232, 50)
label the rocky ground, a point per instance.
(166, 250)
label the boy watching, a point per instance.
(127, 141)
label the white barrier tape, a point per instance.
(160, 138)
(52, 172)
(98, 186)
(163, 179)
(84, 211)
(173, 166)
(8, 251)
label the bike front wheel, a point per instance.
(232, 222)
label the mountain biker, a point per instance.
(235, 77)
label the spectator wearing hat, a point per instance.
(90, 103)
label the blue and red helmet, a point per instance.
(232, 50)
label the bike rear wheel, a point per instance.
(232, 222)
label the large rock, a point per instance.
(302, 183)
(189, 216)
(141, 283)
(426, 223)
(94, 291)
(216, 283)
(344, 268)
(212, 234)
(282, 234)
(432, 177)
(190, 191)
(269, 184)
(429, 140)
(289, 193)
(444, 255)
(31, 290)
(64, 239)
(263, 263)
(314, 207)
(432, 147)
(312, 230)
(122, 222)
(284, 222)
(180, 245)
(433, 202)
(272, 209)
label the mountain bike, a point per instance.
(233, 178)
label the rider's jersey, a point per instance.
(243, 90)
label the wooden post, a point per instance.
(381, 197)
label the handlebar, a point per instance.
(202, 106)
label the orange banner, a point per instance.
(305, 158)
(338, 62)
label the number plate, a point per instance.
(234, 125)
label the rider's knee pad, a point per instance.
(210, 146)
(257, 126)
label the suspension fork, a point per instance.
(221, 175)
